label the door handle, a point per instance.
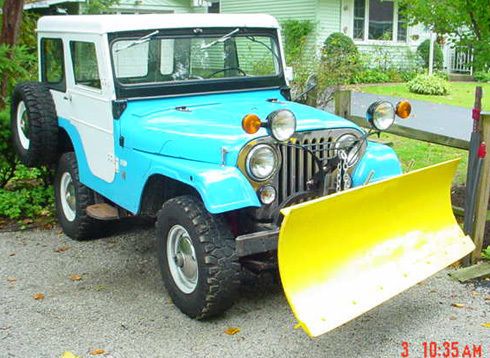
(67, 97)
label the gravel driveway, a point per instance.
(119, 305)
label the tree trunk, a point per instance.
(12, 17)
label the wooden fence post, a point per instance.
(343, 103)
(483, 193)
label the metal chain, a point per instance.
(343, 180)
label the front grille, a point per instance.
(298, 166)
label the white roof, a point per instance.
(101, 24)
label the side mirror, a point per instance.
(289, 73)
(311, 83)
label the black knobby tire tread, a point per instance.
(221, 260)
(86, 227)
(43, 121)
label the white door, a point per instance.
(88, 101)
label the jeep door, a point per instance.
(88, 101)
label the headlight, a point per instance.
(261, 162)
(351, 146)
(381, 115)
(282, 124)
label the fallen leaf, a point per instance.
(75, 277)
(487, 298)
(453, 318)
(69, 355)
(486, 325)
(458, 305)
(96, 352)
(474, 293)
(12, 254)
(232, 331)
(11, 279)
(38, 296)
(61, 249)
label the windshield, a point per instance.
(153, 59)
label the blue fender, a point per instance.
(379, 159)
(222, 188)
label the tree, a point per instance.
(98, 6)
(11, 20)
(467, 20)
(12, 17)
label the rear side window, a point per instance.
(53, 67)
(85, 68)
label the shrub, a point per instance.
(423, 52)
(296, 34)
(429, 85)
(338, 43)
(26, 202)
(482, 76)
(370, 76)
(340, 61)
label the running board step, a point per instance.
(103, 212)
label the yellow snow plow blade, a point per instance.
(341, 255)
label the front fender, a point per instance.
(380, 160)
(222, 188)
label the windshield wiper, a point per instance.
(253, 39)
(139, 41)
(220, 40)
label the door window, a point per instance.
(85, 67)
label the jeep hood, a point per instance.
(202, 127)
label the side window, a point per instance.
(53, 68)
(85, 67)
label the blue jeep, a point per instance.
(187, 119)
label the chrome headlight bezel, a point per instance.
(274, 165)
(354, 153)
(381, 115)
(282, 124)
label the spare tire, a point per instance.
(34, 124)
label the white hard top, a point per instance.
(100, 24)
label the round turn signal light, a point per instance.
(403, 109)
(251, 123)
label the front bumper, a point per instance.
(256, 243)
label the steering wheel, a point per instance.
(228, 69)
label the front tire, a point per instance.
(72, 199)
(197, 258)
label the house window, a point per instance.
(85, 68)
(214, 8)
(378, 20)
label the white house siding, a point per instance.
(280, 9)
(154, 6)
(328, 19)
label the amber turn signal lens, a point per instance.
(403, 109)
(251, 123)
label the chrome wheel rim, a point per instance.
(181, 257)
(68, 197)
(23, 125)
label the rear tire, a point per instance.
(34, 124)
(197, 258)
(72, 199)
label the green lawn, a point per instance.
(415, 154)
(462, 93)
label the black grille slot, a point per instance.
(298, 165)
